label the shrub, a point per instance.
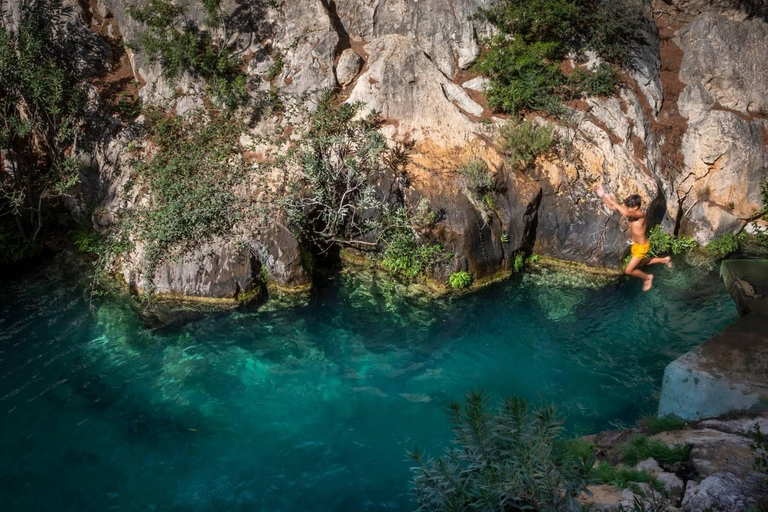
(655, 424)
(603, 81)
(662, 242)
(476, 176)
(408, 258)
(725, 244)
(276, 68)
(533, 258)
(179, 47)
(460, 279)
(521, 141)
(88, 241)
(534, 36)
(509, 460)
(640, 448)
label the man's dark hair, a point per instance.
(632, 201)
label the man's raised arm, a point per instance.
(610, 202)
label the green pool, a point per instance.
(310, 408)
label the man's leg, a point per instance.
(667, 260)
(633, 271)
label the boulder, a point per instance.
(721, 492)
(348, 67)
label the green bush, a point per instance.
(88, 241)
(511, 460)
(640, 448)
(725, 244)
(476, 176)
(534, 36)
(180, 47)
(460, 279)
(521, 141)
(654, 424)
(408, 258)
(603, 81)
(664, 243)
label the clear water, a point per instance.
(311, 407)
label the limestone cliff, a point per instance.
(688, 130)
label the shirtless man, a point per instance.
(640, 244)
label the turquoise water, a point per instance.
(310, 408)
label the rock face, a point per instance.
(404, 57)
(726, 110)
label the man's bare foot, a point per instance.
(668, 261)
(648, 283)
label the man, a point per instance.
(640, 244)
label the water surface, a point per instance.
(310, 408)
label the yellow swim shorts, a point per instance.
(640, 251)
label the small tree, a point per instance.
(40, 107)
(511, 460)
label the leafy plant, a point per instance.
(519, 262)
(725, 244)
(460, 279)
(511, 460)
(602, 81)
(180, 46)
(406, 257)
(88, 241)
(276, 68)
(521, 141)
(640, 448)
(533, 258)
(662, 242)
(504, 238)
(476, 176)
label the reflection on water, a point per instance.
(311, 407)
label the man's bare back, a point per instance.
(640, 244)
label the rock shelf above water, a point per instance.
(728, 372)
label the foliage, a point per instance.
(759, 447)
(581, 450)
(460, 279)
(533, 258)
(640, 448)
(620, 476)
(521, 141)
(534, 36)
(510, 460)
(602, 81)
(476, 176)
(654, 424)
(194, 164)
(276, 68)
(180, 46)
(88, 241)
(406, 257)
(655, 502)
(662, 242)
(41, 101)
(519, 262)
(725, 244)
(331, 168)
